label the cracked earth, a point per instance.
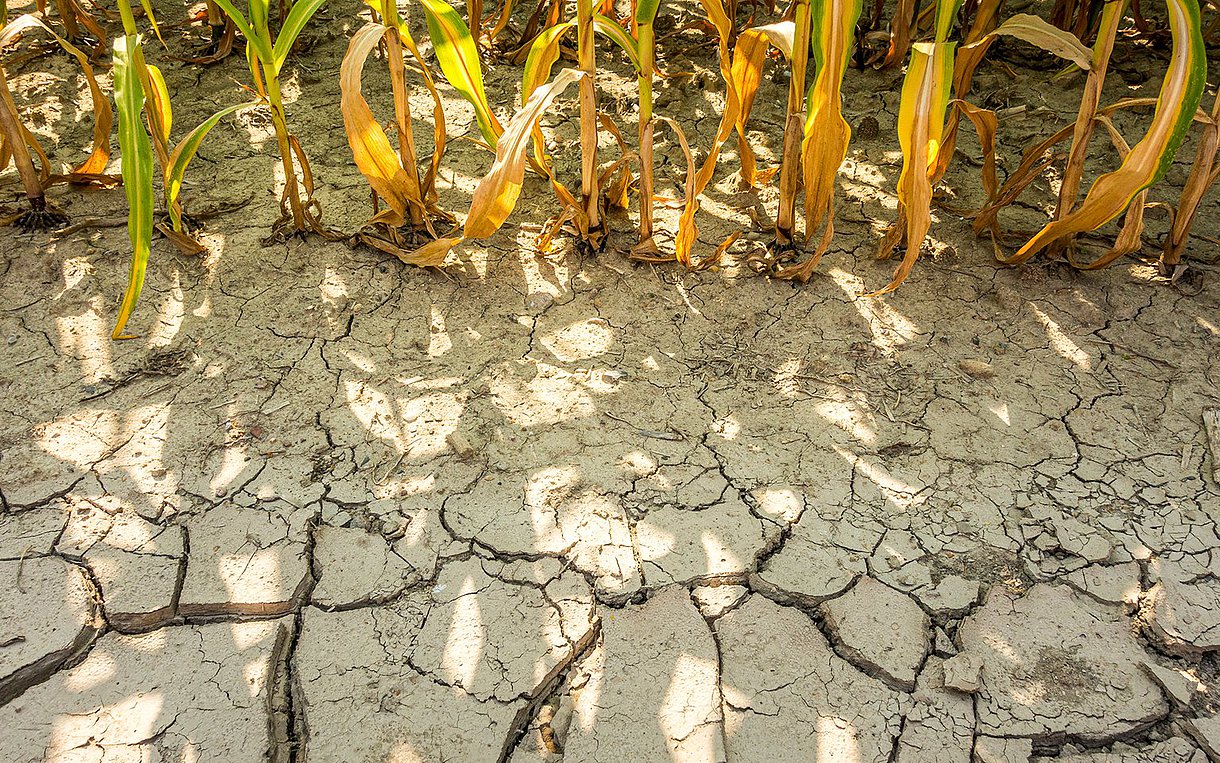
(329, 508)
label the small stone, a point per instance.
(538, 302)
(979, 369)
(460, 446)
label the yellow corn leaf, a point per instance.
(374, 154)
(827, 134)
(1052, 39)
(1151, 157)
(103, 114)
(745, 75)
(497, 192)
(921, 122)
(688, 231)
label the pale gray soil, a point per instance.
(331, 508)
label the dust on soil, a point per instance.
(571, 508)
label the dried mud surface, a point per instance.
(565, 508)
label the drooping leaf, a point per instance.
(1151, 157)
(497, 193)
(103, 114)
(181, 158)
(921, 121)
(1035, 31)
(688, 230)
(137, 171)
(371, 148)
(745, 77)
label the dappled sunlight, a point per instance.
(128, 721)
(780, 504)
(328, 505)
(1061, 343)
(170, 315)
(846, 414)
(553, 395)
(439, 342)
(1001, 412)
(685, 708)
(86, 337)
(582, 340)
(232, 465)
(896, 492)
(891, 329)
(467, 635)
(837, 741)
(403, 753)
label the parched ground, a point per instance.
(331, 508)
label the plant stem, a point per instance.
(1111, 15)
(794, 130)
(588, 112)
(647, 52)
(280, 121)
(129, 20)
(402, 116)
(1202, 175)
(10, 127)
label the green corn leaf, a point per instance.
(137, 170)
(459, 59)
(181, 158)
(253, 40)
(618, 36)
(302, 11)
(646, 11)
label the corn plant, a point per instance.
(17, 142)
(394, 177)
(1203, 174)
(921, 124)
(1124, 189)
(140, 91)
(815, 134)
(266, 55)
(498, 191)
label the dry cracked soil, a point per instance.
(562, 507)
